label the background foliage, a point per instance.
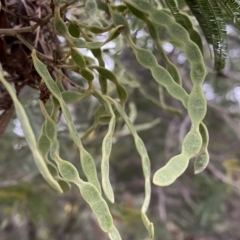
(204, 206)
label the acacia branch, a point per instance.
(15, 31)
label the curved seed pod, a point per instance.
(145, 165)
(161, 75)
(122, 93)
(44, 145)
(172, 69)
(88, 191)
(107, 148)
(29, 135)
(98, 205)
(202, 159)
(114, 234)
(86, 159)
(91, 8)
(195, 102)
(97, 53)
(64, 184)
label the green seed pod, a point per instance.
(203, 158)
(29, 135)
(92, 196)
(64, 184)
(171, 171)
(145, 58)
(191, 144)
(67, 170)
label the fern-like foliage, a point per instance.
(211, 20)
(172, 5)
(196, 11)
(232, 7)
(217, 26)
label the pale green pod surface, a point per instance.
(145, 165)
(149, 225)
(145, 58)
(172, 69)
(192, 144)
(197, 105)
(164, 78)
(67, 170)
(92, 196)
(64, 184)
(194, 35)
(89, 168)
(106, 151)
(87, 74)
(44, 145)
(52, 169)
(91, 8)
(71, 96)
(193, 54)
(198, 72)
(43, 72)
(204, 134)
(50, 129)
(114, 234)
(171, 171)
(78, 58)
(143, 153)
(202, 159)
(201, 162)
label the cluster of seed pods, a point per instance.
(195, 143)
